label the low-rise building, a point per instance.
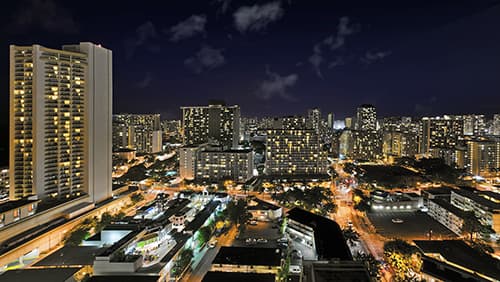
(66, 274)
(454, 260)
(324, 271)
(247, 260)
(182, 217)
(318, 233)
(395, 202)
(484, 204)
(218, 276)
(447, 214)
(264, 211)
(443, 193)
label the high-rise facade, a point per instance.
(215, 165)
(483, 157)
(367, 145)
(141, 132)
(440, 133)
(314, 118)
(294, 152)
(366, 118)
(496, 125)
(215, 124)
(346, 144)
(60, 121)
(399, 144)
(330, 120)
(187, 161)
(349, 123)
(474, 125)
(290, 122)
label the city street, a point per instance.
(203, 262)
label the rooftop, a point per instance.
(477, 198)
(125, 278)
(202, 216)
(215, 276)
(30, 275)
(261, 205)
(323, 271)
(438, 191)
(459, 253)
(116, 246)
(82, 255)
(495, 197)
(248, 256)
(330, 242)
(10, 205)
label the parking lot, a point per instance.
(414, 225)
(262, 230)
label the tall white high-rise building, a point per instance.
(60, 121)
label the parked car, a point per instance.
(282, 240)
(295, 269)
(212, 243)
(397, 220)
(262, 240)
(250, 241)
(253, 222)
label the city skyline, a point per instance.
(411, 57)
(159, 58)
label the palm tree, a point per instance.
(471, 224)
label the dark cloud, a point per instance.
(143, 37)
(257, 17)
(44, 15)
(372, 57)
(331, 43)
(224, 6)
(339, 61)
(343, 30)
(316, 59)
(206, 58)
(276, 85)
(190, 27)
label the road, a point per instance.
(204, 263)
(370, 240)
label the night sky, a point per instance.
(277, 57)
